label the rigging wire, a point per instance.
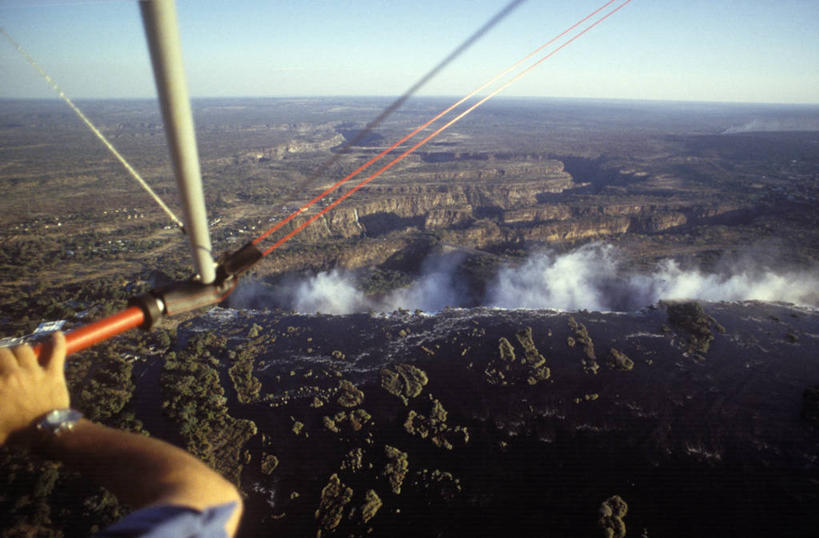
(420, 128)
(96, 131)
(191, 294)
(435, 133)
(395, 105)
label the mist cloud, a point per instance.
(591, 277)
(335, 292)
(586, 278)
(331, 293)
(436, 289)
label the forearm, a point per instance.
(140, 470)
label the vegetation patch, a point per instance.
(619, 360)
(584, 340)
(437, 485)
(372, 503)
(254, 331)
(269, 463)
(103, 386)
(298, 428)
(507, 368)
(690, 318)
(247, 385)
(396, 468)
(353, 460)
(506, 351)
(404, 381)
(334, 497)
(435, 427)
(196, 400)
(357, 419)
(348, 394)
(532, 360)
(612, 513)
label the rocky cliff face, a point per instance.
(487, 213)
(485, 200)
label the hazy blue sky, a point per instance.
(705, 50)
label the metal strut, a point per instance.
(214, 283)
(211, 284)
(146, 310)
(162, 31)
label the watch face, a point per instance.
(60, 420)
(57, 416)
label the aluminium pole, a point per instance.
(162, 31)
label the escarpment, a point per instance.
(494, 201)
(505, 212)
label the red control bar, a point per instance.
(175, 298)
(94, 333)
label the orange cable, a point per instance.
(366, 165)
(435, 133)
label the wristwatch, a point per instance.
(59, 421)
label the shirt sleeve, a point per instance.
(172, 520)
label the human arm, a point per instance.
(139, 470)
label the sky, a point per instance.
(688, 50)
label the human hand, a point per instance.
(29, 389)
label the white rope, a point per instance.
(96, 131)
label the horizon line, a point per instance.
(441, 96)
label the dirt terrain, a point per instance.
(514, 178)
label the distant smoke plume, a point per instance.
(775, 125)
(590, 277)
